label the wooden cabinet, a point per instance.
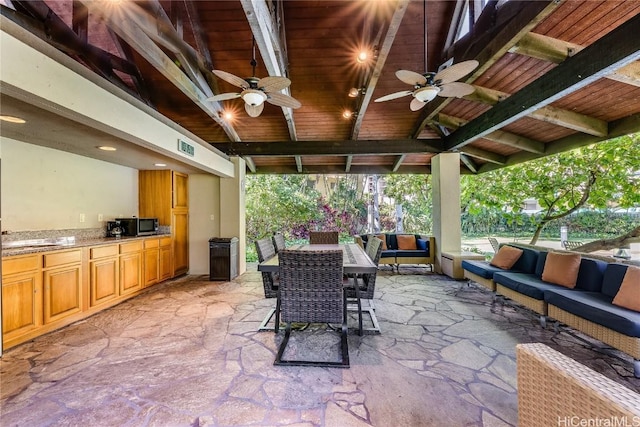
(165, 262)
(21, 296)
(165, 195)
(452, 262)
(130, 267)
(62, 283)
(103, 274)
(151, 262)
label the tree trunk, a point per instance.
(632, 236)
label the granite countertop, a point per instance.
(48, 245)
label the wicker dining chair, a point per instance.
(266, 250)
(494, 244)
(366, 285)
(323, 237)
(278, 242)
(311, 291)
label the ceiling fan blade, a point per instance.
(416, 104)
(253, 110)
(456, 89)
(394, 95)
(230, 78)
(411, 78)
(282, 100)
(224, 96)
(273, 83)
(456, 71)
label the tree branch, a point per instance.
(607, 244)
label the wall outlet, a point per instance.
(100, 218)
(81, 217)
(212, 217)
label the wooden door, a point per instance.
(166, 268)
(151, 266)
(103, 280)
(62, 292)
(180, 191)
(180, 230)
(130, 273)
(21, 304)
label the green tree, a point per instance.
(596, 176)
(414, 193)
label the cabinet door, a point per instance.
(180, 191)
(180, 242)
(151, 266)
(62, 292)
(130, 273)
(21, 304)
(103, 280)
(166, 269)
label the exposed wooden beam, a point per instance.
(124, 22)
(614, 50)
(491, 46)
(298, 164)
(383, 53)
(80, 20)
(398, 162)
(250, 164)
(469, 163)
(485, 155)
(347, 166)
(555, 50)
(328, 148)
(355, 169)
(502, 137)
(617, 128)
(271, 49)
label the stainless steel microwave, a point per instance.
(138, 226)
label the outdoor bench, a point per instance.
(400, 248)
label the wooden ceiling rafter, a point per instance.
(502, 38)
(614, 50)
(126, 24)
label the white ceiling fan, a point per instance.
(255, 91)
(427, 86)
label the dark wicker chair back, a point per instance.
(323, 237)
(494, 244)
(278, 242)
(311, 291)
(266, 250)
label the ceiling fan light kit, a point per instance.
(253, 97)
(427, 93)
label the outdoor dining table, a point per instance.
(355, 261)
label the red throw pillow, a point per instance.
(407, 242)
(628, 295)
(506, 257)
(384, 241)
(561, 269)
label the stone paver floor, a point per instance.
(186, 353)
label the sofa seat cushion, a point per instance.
(480, 268)
(597, 308)
(401, 253)
(525, 283)
(388, 254)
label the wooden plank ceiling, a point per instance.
(553, 75)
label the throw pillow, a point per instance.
(407, 242)
(506, 257)
(629, 294)
(384, 241)
(561, 269)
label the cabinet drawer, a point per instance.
(19, 264)
(126, 248)
(151, 243)
(104, 251)
(61, 258)
(165, 241)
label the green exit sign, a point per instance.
(186, 148)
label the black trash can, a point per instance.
(223, 258)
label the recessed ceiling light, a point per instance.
(107, 148)
(347, 114)
(160, 165)
(12, 119)
(362, 57)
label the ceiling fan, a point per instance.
(255, 91)
(427, 86)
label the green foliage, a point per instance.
(590, 177)
(414, 193)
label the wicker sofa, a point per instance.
(554, 389)
(587, 307)
(394, 256)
